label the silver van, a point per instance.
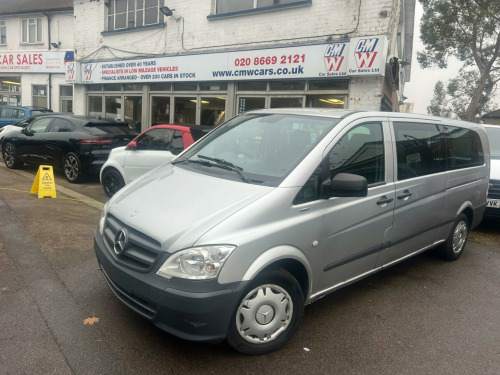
(276, 208)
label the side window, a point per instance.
(61, 125)
(40, 126)
(156, 139)
(7, 113)
(420, 150)
(360, 151)
(177, 142)
(463, 148)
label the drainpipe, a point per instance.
(49, 94)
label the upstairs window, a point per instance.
(31, 30)
(128, 14)
(3, 32)
(230, 6)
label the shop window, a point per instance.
(286, 102)
(185, 110)
(252, 86)
(249, 103)
(213, 111)
(231, 6)
(3, 33)
(132, 87)
(31, 30)
(287, 85)
(40, 96)
(325, 84)
(66, 98)
(113, 106)
(213, 86)
(112, 87)
(160, 112)
(94, 87)
(133, 112)
(161, 87)
(95, 106)
(128, 14)
(189, 86)
(326, 101)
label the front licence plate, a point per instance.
(493, 203)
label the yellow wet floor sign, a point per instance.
(44, 183)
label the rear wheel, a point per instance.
(10, 157)
(72, 168)
(112, 181)
(455, 244)
(268, 314)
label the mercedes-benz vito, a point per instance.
(276, 208)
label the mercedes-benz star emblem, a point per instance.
(121, 242)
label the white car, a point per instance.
(493, 202)
(156, 145)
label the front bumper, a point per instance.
(192, 310)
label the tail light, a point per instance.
(95, 141)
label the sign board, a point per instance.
(33, 62)
(356, 57)
(44, 183)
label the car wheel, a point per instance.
(112, 181)
(268, 314)
(72, 168)
(455, 244)
(10, 156)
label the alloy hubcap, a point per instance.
(71, 167)
(459, 237)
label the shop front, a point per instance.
(208, 89)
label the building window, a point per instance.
(31, 30)
(128, 14)
(3, 32)
(231, 6)
(40, 96)
(66, 97)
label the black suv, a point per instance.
(79, 145)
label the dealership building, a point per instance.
(204, 61)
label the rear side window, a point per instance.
(177, 142)
(62, 125)
(7, 113)
(420, 149)
(464, 148)
(18, 113)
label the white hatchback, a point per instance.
(153, 147)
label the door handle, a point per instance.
(384, 200)
(406, 194)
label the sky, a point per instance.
(420, 89)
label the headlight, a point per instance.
(103, 217)
(196, 263)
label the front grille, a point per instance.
(494, 190)
(142, 250)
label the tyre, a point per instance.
(455, 244)
(112, 181)
(10, 156)
(72, 168)
(268, 314)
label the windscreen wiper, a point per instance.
(226, 165)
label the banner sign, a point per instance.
(32, 62)
(356, 57)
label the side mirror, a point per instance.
(346, 185)
(131, 146)
(25, 131)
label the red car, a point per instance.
(156, 145)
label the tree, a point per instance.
(453, 100)
(468, 30)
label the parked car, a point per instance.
(11, 114)
(157, 145)
(493, 201)
(79, 145)
(18, 126)
(276, 208)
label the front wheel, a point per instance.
(72, 168)
(268, 314)
(10, 157)
(112, 181)
(455, 244)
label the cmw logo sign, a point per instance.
(88, 72)
(334, 56)
(70, 69)
(364, 52)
